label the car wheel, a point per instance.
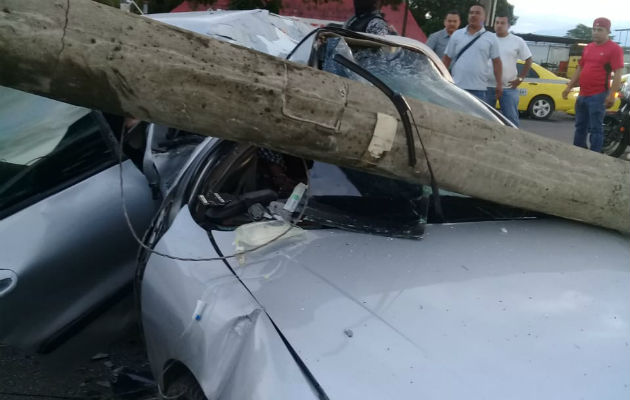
(541, 107)
(615, 140)
(185, 387)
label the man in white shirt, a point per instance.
(468, 52)
(511, 48)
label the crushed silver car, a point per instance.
(272, 277)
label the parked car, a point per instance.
(540, 93)
(66, 253)
(373, 292)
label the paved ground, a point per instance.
(85, 368)
(558, 127)
(96, 365)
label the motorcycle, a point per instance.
(617, 125)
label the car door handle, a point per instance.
(533, 83)
(8, 281)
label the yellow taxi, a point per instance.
(540, 93)
(576, 91)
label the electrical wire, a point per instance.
(292, 224)
(137, 8)
(434, 185)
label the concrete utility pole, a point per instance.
(84, 53)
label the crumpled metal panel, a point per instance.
(514, 309)
(255, 29)
(232, 348)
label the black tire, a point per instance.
(541, 107)
(615, 141)
(185, 387)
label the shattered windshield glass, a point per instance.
(359, 201)
(405, 71)
(364, 202)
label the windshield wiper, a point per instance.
(406, 117)
(396, 98)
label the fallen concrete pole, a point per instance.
(87, 54)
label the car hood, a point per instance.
(516, 309)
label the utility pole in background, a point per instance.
(125, 5)
(491, 10)
(404, 27)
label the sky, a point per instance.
(556, 17)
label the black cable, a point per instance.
(437, 203)
(396, 98)
(311, 33)
(405, 115)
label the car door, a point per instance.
(65, 249)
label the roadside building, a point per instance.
(560, 55)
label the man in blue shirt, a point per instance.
(468, 52)
(438, 40)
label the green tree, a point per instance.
(430, 13)
(581, 31)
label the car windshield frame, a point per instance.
(313, 48)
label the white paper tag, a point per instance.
(383, 136)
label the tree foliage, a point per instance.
(430, 13)
(581, 31)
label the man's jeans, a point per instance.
(589, 116)
(508, 103)
(480, 94)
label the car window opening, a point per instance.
(250, 184)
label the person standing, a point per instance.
(511, 49)
(368, 18)
(438, 40)
(468, 52)
(599, 58)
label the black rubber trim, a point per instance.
(318, 388)
(78, 324)
(396, 98)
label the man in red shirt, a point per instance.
(599, 59)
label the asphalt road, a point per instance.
(559, 126)
(93, 366)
